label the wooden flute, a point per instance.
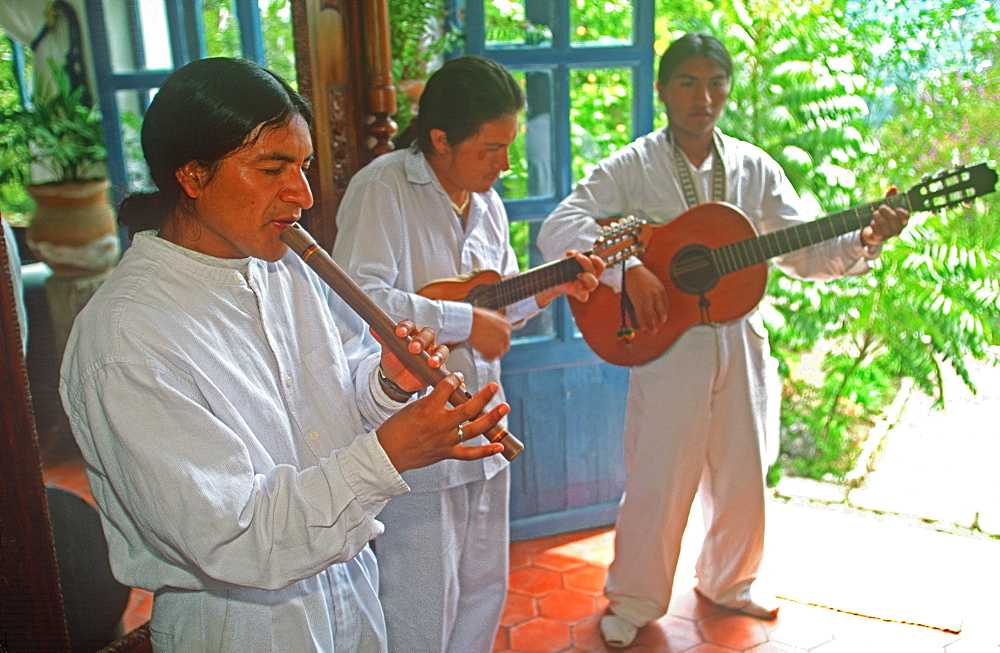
(323, 264)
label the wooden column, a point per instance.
(32, 616)
(381, 92)
(342, 62)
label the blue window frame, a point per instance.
(557, 54)
(136, 44)
(541, 44)
(566, 404)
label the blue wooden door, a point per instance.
(568, 406)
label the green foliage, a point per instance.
(279, 49)
(798, 89)
(222, 29)
(59, 134)
(600, 115)
(418, 36)
(851, 98)
(14, 200)
(600, 112)
(600, 23)
(507, 25)
(222, 34)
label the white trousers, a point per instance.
(697, 420)
(443, 564)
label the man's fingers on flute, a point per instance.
(463, 452)
(438, 355)
(481, 425)
(482, 422)
(446, 386)
(475, 405)
(421, 340)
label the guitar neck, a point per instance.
(527, 284)
(752, 251)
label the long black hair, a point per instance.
(461, 96)
(205, 111)
(694, 44)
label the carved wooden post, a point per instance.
(342, 60)
(381, 93)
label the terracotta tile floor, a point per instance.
(555, 601)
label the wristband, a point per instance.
(392, 390)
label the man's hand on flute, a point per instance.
(428, 430)
(421, 339)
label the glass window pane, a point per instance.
(522, 239)
(603, 22)
(520, 235)
(531, 161)
(147, 46)
(542, 325)
(222, 29)
(15, 203)
(223, 34)
(132, 106)
(600, 115)
(279, 48)
(512, 24)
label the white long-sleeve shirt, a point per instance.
(641, 180)
(396, 233)
(225, 412)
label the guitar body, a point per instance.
(675, 253)
(458, 288)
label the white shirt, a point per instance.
(641, 180)
(396, 233)
(226, 421)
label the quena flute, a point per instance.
(323, 264)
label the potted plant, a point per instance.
(55, 149)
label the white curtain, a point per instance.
(23, 20)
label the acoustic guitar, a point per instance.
(714, 264)
(617, 241)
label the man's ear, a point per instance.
(439, 139)
(189, 176)
(661, 92)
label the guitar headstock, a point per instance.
(622, 237)
(956, 186)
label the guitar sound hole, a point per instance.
(480, 296)
(692, 270)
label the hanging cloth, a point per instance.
(73, 63)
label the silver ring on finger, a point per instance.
(461, 434)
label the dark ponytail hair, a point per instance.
(205, 111)
(694, 44)
(462, 95)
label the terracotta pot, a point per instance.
(73, 228)
(412, 88)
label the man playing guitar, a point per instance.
(700, 413)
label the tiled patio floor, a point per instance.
(555, 601)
